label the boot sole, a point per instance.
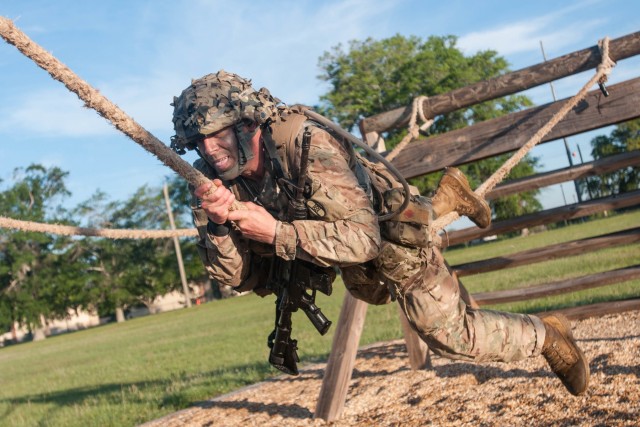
(564, 326)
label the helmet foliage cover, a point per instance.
(216, 101)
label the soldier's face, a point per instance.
(220, 149)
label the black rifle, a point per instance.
(292, 281)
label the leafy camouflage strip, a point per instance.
(216, 101)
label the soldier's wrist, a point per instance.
(286, 240)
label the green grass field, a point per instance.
(554, 270)
(129, 373)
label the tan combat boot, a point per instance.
(563, 355)
(454, 194)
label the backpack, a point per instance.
(385, 192)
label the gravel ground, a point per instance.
(385, 391)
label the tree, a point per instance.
(376, 76)
(117, 267)
(44, 276)
(28, 260)
(129, 272)
(624, 137)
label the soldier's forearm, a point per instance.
(341, 243)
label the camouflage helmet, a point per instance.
(216, 101)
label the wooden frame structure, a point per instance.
(491, 138)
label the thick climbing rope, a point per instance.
(602, 72)
(417, 112)
(95, 100)
(67, 230)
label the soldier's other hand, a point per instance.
(255, 223)
(215, 203)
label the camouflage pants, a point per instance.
(430, 298)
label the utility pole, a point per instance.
(176, 244)
(587, 181)
(565, 200)
(566, 143)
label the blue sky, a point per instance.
(142, 53)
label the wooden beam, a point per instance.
(549, 216)
(597, 167)
(547, 253)
(559, 287)
(335, 383)
(509, 133)
(599, 309)
(417, 349)
(516, 81)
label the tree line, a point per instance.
(45, 276)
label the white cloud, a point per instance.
(525, 35)
(53, 112)
(146, 98)
(56, 112)
(516, 37)
(276, 45)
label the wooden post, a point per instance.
(416, 348)
(335, 383)
(176, 244)
(337, 376)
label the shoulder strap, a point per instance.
(284, 134)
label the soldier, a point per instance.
(249, 145)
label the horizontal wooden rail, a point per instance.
(549, 216)
(559, 287)
(597, 167)
(599, 309)
(550, 252)
(516, 81)
(509, 133)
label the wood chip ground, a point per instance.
(384, 391)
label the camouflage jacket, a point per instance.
(341, 229)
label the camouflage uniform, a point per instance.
(343, 231)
